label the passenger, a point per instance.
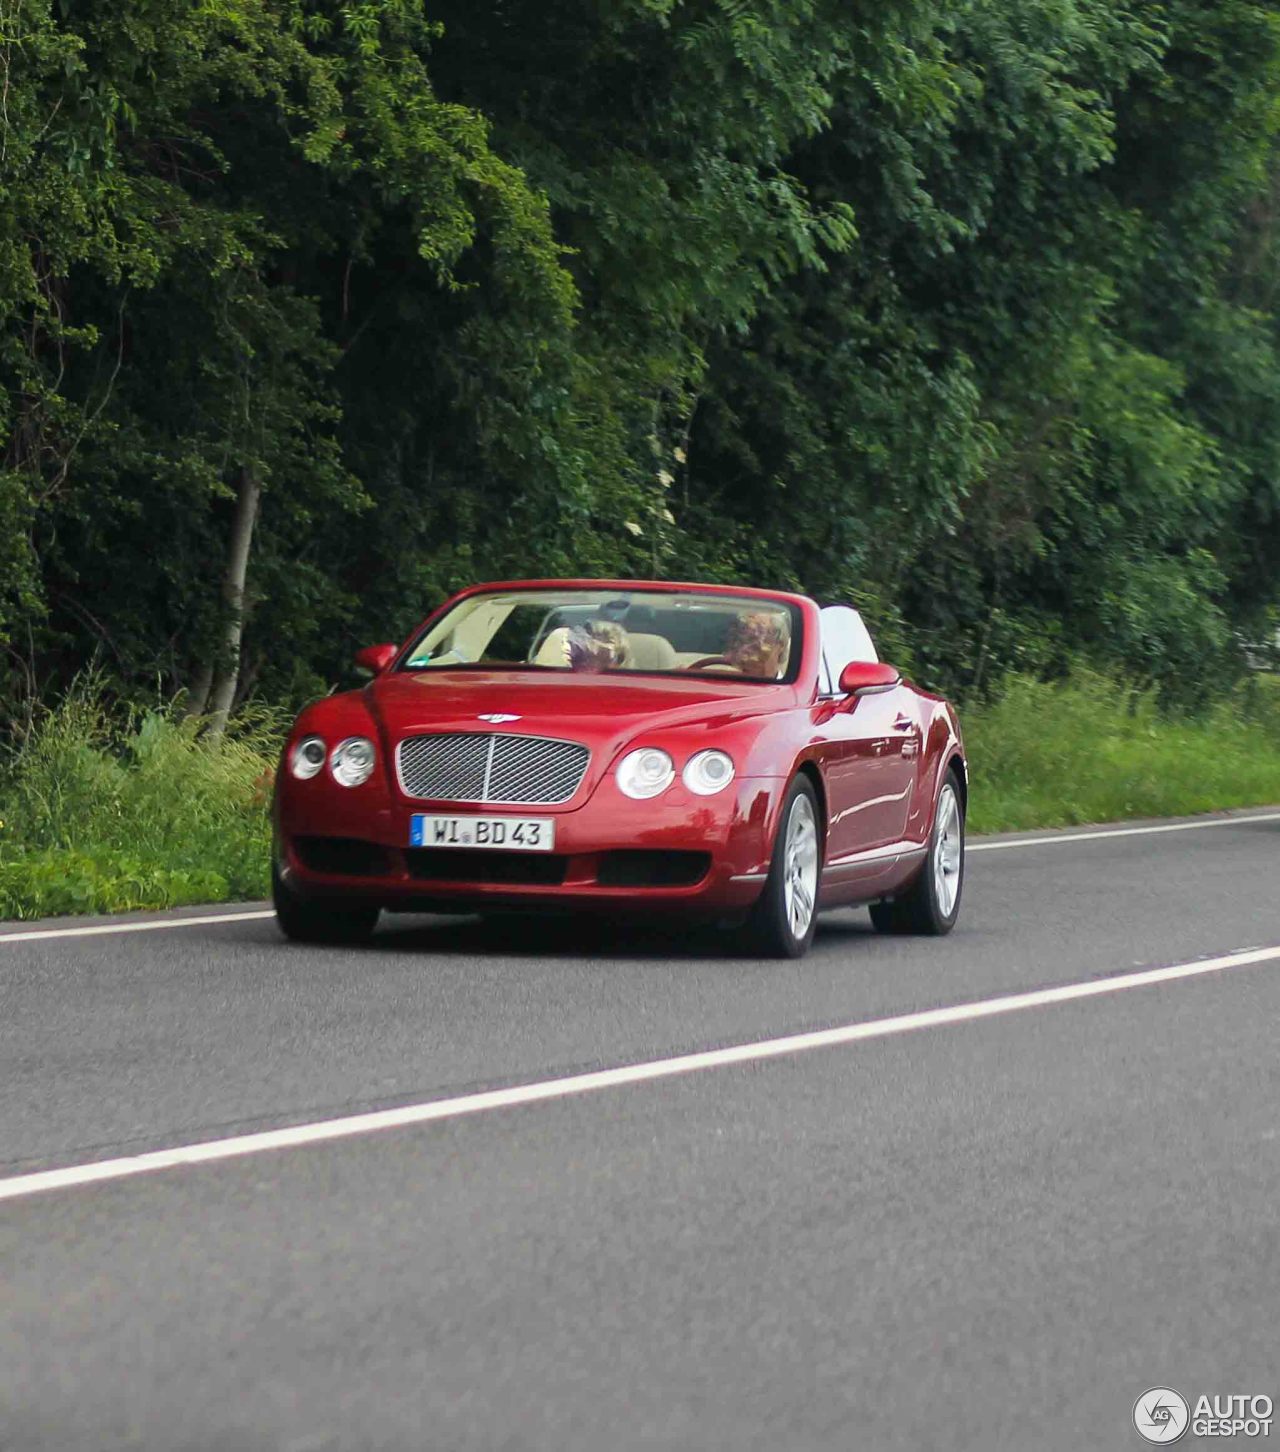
(599, 645)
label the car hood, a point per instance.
(604, 713)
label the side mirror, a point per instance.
(868, 678)
(376, 658)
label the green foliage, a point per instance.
(49, 884)
(185, 193)
(967, 312)
(1090, 749)
(990, 420)
(101, 813)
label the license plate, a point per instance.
(511, 834)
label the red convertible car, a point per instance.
(728, 754)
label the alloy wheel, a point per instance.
(800, 867)
(947, 851)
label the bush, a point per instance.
(101, 814)
(44, 884)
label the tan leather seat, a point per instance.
(554, 651)
(650, 653)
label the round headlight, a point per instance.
(351, 761)
(307, 758)
(708, 772)
(646, 772)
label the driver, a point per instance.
(757, 644)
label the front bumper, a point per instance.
(699, 856)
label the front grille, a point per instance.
(442, 864)
(473, 766)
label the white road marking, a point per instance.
(1120, 832)
(426, 1113)
(979, 846)
(99, 928)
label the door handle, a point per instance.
(903, 723)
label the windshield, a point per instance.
(594, 632)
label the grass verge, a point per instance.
(100, 815)
(1088, 750)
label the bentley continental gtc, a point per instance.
(633, 749)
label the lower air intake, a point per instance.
(524, 869)
(652, 869)
(342, 856)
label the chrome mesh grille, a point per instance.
(472, 766)
(450, 768)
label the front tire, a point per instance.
(303, 921)
(931, 904)
(783, 920)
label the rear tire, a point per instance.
(931, 904)
(303, 921)
(782, 922)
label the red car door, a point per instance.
(872, 757)
(871, 752)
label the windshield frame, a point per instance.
(741, 596)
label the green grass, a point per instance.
(103, 815)
(1086, 750)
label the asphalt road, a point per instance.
(986, 1232)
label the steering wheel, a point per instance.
(710, 660)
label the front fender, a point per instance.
(319, 805)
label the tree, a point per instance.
(198, 186)
(313, 311)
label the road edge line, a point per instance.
(99, 929)
(1067, 835)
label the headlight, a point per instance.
(708, 772)
(351, 761)
(646, 772)
(307, 758)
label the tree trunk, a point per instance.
(197, 699)
(227, 673)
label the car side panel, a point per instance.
(873, 770)
(942, 745)
(929, 748)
